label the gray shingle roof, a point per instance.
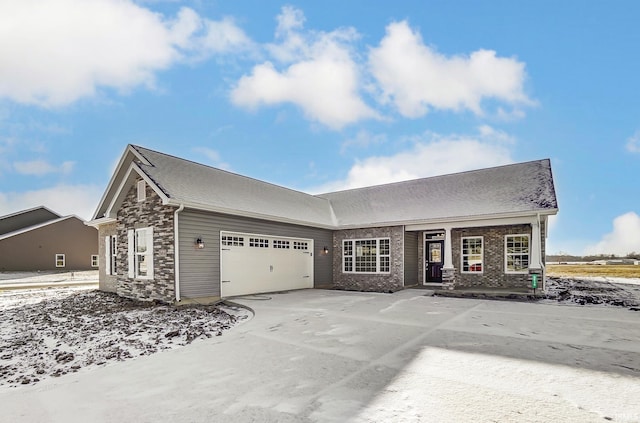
(192, 183)
(517, 188)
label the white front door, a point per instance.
(252, 263)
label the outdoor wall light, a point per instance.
(325, 250)
(199, 243)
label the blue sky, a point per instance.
(321, 96)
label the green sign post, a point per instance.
(534, 283)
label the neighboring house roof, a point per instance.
(25, 218)
(517, 189)
(511, 189)
(38, 226)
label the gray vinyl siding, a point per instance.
(36, 249)
(410, 258)
(200, 268)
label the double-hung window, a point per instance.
(111, 254)
(366, 255)
(140, 253)
(516, 253)
(60, 260)
(472, 254)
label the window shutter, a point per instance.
(107, 255)
(149, 253)
(131, 253)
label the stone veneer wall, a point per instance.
(148, 213)
(493, 275)
(106, 282)
(387, 282)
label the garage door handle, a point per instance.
(225, 281)
(226, 249)
(306, 276)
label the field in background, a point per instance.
(617, 271)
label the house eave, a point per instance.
(242, 213)
(96, 223)
(455, 221)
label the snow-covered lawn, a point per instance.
(47, 277)
(326, 356)
(51, 332)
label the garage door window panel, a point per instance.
(233, 241)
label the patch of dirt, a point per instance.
(585, 292)
(51, 333)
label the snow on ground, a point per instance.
(51, 332)
(47, 277)
(324, 356)
(332, 356)
(595, 291)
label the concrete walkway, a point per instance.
(331, 356)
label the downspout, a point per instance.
(176, 251)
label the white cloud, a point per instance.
(633, 143)
(624, 239)
(225, 37)
(430, 155)
(213, 157)
(321, 76)
(80, 200)
(42, 167)
(417, 78)
(363, 139)
(63, 50)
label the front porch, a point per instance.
(486, 255)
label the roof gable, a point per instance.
(25, 218)
(38, 226)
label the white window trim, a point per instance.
(378, 255)
(142, 190)
(109, 254)
(63, 258)
(95, 260)
(506, 254)
(132, 254)
(469, 272)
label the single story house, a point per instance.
(40, 239)
(171, 229)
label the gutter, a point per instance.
(176, 251)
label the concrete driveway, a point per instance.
(324, 356)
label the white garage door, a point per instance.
(251, 263)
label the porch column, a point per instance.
(536, 246)
(448, 272)
(536, 269)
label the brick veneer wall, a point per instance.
(494, 275)
(106, 282)
(148, 213)
(390, 282)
